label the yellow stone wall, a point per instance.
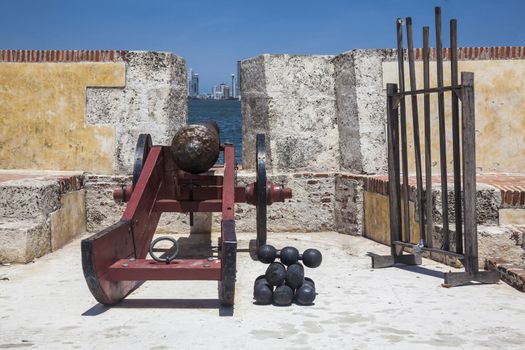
(500, 113)
(42, 109)
(377, 222)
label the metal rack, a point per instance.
(464, 161)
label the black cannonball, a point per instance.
(295, 275)
(289, 255)
(312, 258)
(263, 293)
(275, 274)
(266, 253)
(305, 294)
(310, 281)
(260, 279)
(283, 295)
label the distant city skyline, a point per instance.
(221, 91)
(212, 35)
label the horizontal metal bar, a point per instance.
(427, 91)
(145, 269)
(431, 250)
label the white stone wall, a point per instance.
(361, 110)
(321, 115)
(153, 101)
(291, 99)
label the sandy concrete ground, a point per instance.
(47, 305)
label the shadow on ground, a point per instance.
(99, 309)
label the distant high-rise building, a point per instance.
(194, 85)
(216, 92)
(238, 85)
(234, 88)
(224, 91)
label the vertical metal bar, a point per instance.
(469, 170)
(404, 150)
(393, 166)
(428, 141)
(455, 136)
(397, 179)
(442, 131)
(415, 124)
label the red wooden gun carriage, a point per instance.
(177, 178)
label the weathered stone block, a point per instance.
(23, 241)
(70, 220)
(361, 110)
(28, 198)
(349, 204)
(292, 101)
(511, 216)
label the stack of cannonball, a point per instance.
(284, 282)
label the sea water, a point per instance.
(227, 113)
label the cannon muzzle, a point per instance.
(196, 147)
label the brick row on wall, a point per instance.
(512, 196)
(477, 53)
(512, 188)
(464, 53)
(62, 55)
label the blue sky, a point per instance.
(213, 35)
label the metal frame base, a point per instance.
(454, 279)
(382, 261)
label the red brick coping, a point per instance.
(512, 274)
(478, 53)
(62, 55)
(511, 187)
(464, 53)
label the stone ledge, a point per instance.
(23, 241)
(510, 273)
(39, 213)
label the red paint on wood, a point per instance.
(145, 269)
(228, 193)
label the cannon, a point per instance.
(180, 177)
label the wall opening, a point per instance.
(227, 113)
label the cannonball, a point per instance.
(283, 295)
(305, 294)
(295, 275)
(289, 255)
(260, 279)
(266, 253)
(312, 258)
(275, 274)
(263, 293)
(195, 148)
(310, 281)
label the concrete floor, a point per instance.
(47, 305)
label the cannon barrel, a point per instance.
(196, 147)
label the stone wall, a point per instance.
(83, 110)
(499, 105)
(328, 114)
(152, 101)
(361, 110)
(291, 99)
